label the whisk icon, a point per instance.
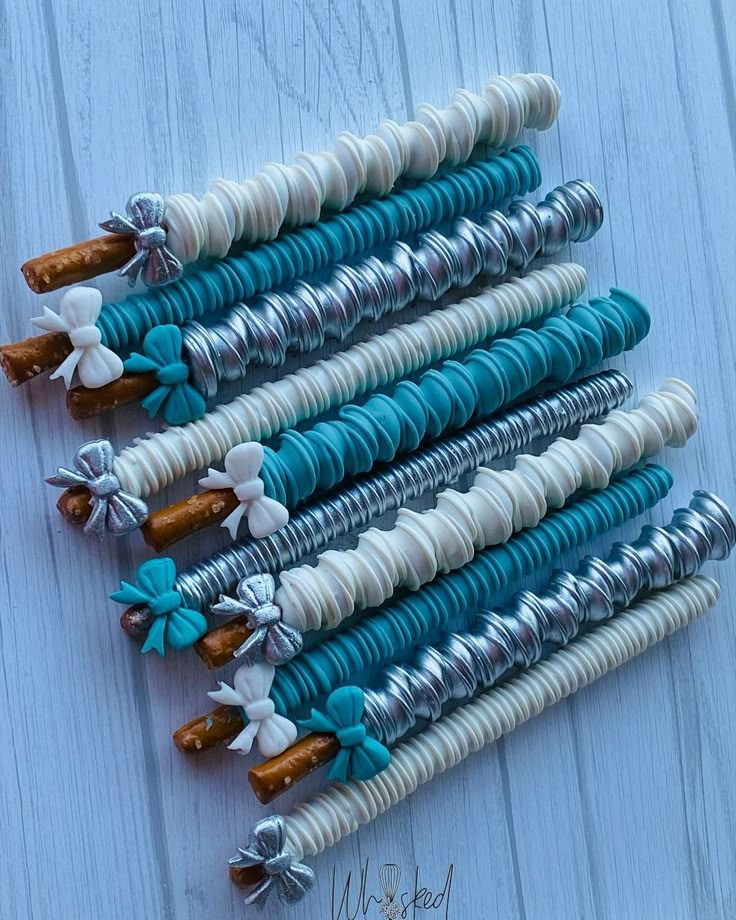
(389, 875)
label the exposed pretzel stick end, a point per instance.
(79, 262)
(244, 877)
(168, 525)
(74, 505)
(218, 646)
(217, 727)
(275, 776)
(83, 403)
(136, 621)
(22, 361)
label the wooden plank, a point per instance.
(617, 803)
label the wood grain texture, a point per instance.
(618, 804)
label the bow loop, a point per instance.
(144, 221)
(271, 639)
(112, 508)
(94, 458)
(173, 625)
(266, 848)
(162, 356)
(79, 309)
(242, 465)
(146, 210)
(251, 686)
(360, 756)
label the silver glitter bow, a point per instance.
(266, 849)
(112, 509)
(157, 264)
(271, 639)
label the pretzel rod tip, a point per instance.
(75, 506)
(217, 727)
(275, 776)
(218, 646)
(83, 402)
(136, 621)
(22, 361)
(245, 877)
(78, 262)
(186, 517)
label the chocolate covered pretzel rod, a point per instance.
(440, 335)
(321, 821)
(348, 509)
(269, 483)
(91, 329)
(392, 631)
(157, 238)
(572, 211)
(422, 545)
(302, 318)
(365, 723)
(496, 506)
(313, 390)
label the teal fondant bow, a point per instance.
(162, 356)
(360, 756)
(173, 624)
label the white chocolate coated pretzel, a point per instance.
(328, 816)
(499, 504)
(288, 196)
(156, 461)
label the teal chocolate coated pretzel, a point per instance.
(308, 249)
(485, 381)
(394, 629)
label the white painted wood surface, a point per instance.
(619, 803)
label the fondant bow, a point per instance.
(266, 843)
(162, 356)
(271, 639)
(273, 732)
(173, 624)
(360, 756)
(242, 465)
(112, 509)
(78, 312)
(144, 221)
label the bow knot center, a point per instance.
(267, 615)
(152, 238)
(351, 736)
(278, 864)
(85, 336)
(172, 374)
(259, 710)
(249, 491)
(165, 603)
(104, 486)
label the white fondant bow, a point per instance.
(78, 312)
(252, 685)
(242, 465)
